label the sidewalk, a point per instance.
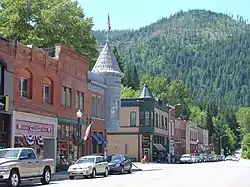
(137, 166)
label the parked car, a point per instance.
(235, 158)
(204, 157)
(89, 166)
(210, 158)
(186, 158)
(17, 164)
(119, 163)
(229, 157)
(221, 158)
(194, 159)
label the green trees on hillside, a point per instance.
(243, 118)
(209, 52)
(45, 23)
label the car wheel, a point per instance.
(122, 170)
(130, 169)
(93, 174)
(106, 173)
(71, 177)
(14, 179)
(46, 176)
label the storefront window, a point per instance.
(21, 142)
(4, 131)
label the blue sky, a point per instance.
(133, 14)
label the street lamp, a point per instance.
(197, 141)
(79, 131)
(221, 143)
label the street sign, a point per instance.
(172, 148)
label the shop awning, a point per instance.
(161, 147)
(96, 139)
(156, 145)
(102, 139)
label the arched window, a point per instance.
(25, 81)
(47, 90)
(133, 119)
(2, 78)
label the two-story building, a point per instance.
(50, 86)
(180, 137)
(7, 53)
(196, 138)
(144, 128)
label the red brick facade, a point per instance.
(67, 69)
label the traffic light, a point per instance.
(4, 103)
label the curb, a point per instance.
(65, 177)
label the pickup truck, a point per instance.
(17, 164)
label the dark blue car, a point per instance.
(119, 163)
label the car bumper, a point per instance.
(4, 175)
(114, 169)
(79, 173)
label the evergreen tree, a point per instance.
(119, 59)
(134, 77)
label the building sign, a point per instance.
(33, 128)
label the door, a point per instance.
(24, 168)
(99, 165)
(34, 163)
(145, 151)
(126, 162)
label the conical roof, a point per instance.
(106, 63)
(145, 93)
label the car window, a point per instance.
(126, 157)
(24, 154)
(99, 159)
(31, 154)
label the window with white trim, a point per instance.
(23, 87)
(46, 94)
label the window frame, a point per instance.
(94, 109)
(99, 107)
(21, 91)
(134, 120)
(49, 99)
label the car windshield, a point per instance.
(113, 158)
(10, 153)
(185, 156)
(85, 160)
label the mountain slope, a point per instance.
(209, 51)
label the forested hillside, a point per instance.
(209, 51)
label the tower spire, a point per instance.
(109, 28)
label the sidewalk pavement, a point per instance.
(137, 166)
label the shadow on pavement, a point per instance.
(151, 169)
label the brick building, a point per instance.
(50, 86)
(7, 52)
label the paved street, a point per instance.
(220, 174)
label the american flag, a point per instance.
(109, 26)
(87, 132)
